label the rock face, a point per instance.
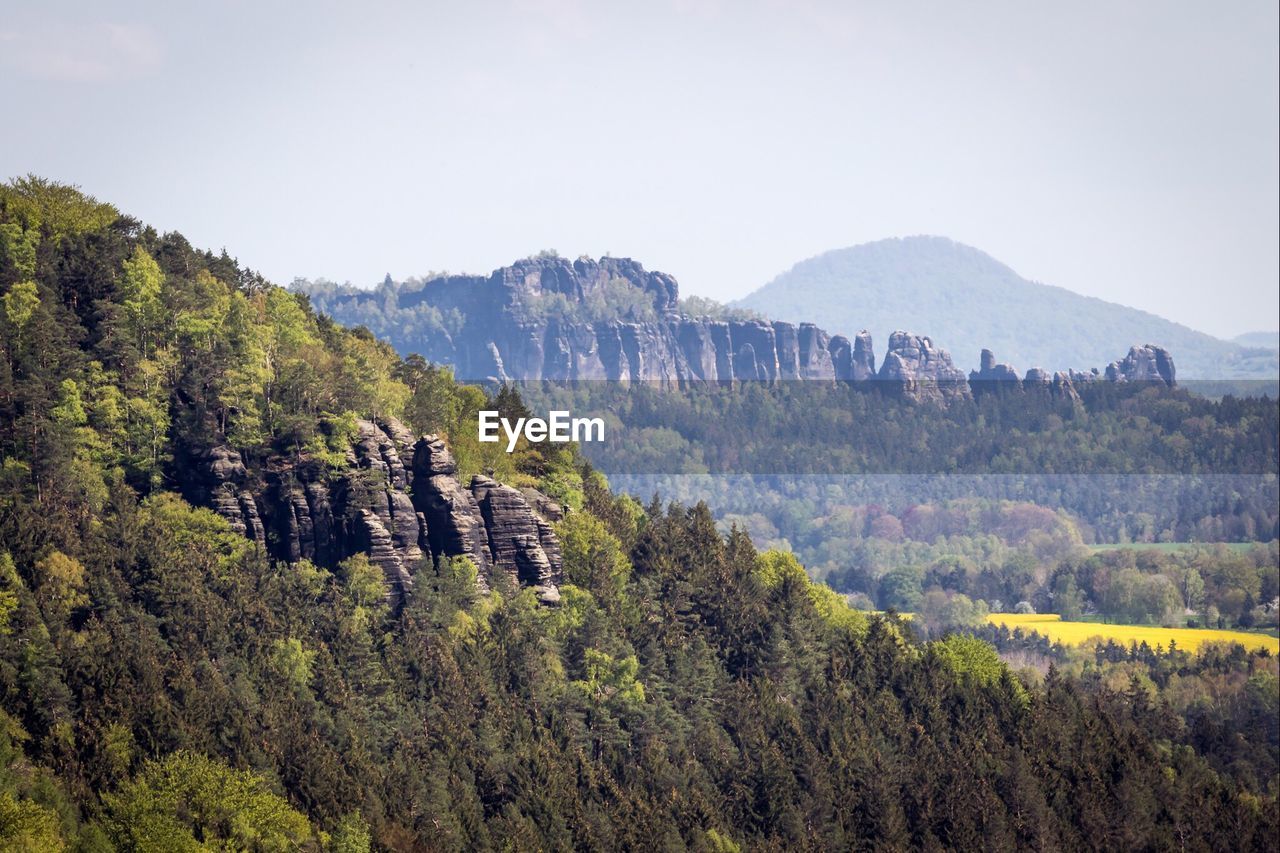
(1002, 376)
(524, 322)
(992, 377)
(455, 526)
(1148, 363)
(510, 331)
(397, 514)
(222, 483)
(915, 368)
(516, 541)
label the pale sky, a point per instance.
(1122, 150)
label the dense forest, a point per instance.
(166, 686)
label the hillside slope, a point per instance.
(966, 300)
(174, 678)
(1263, 340)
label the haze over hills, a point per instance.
(1268, 340)
(966, 300)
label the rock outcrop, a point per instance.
(1057, 385)
(508, 333)
(397, 514)
(530, 321)
(994, 377)
(454, 524)
(222, 483)
(998, 376)
(914, 367)
(1148, 363)
(516, 540)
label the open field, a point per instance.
(1081, 633)
(1170, 547)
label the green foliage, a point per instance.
(560, 477)
(164, 685)
(10, 583)
(351, 835)
(594, 558)
(781, 567)
(778, 567)
(900, 590)
(28, 826)
(969, 658)
(60, 210)
(612, 682)
(940, 611)
(60, 584)
(140, 289)
(336, 435)
(20, 302)
(701, 306)
(293, 662)
(189, 802)
(612, 299)
(721, 843)
(366, 585)
(18, 249)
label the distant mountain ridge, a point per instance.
(968, 301)
(549, 318)
(1266, 340)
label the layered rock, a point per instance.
(455, 527)
(1147, 363)
(222, 483)
(989, 370)
(395, 513)
(523, 322)
(516, 538)
(507, 333)
(913, 367)
(994, 377)
(1057, 385)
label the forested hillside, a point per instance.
(169, 683)
(967, 300)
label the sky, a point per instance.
(1121, 150)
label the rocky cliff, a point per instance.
(548, 318)
(395, 498)
(1147, 363)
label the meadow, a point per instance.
(1085, 633)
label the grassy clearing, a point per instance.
(1087, 633)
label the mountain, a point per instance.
(967, 301)
(1264, 340)
(549, 318)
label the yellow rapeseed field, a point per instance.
(1086, 633)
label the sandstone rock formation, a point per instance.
(1057, 385)
(1148, 363)
(515, 537)
(455, 527)
(506, 333)
(913, 367)
(222, 483)
(989, 371)
(395, 513)
(532, 321)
